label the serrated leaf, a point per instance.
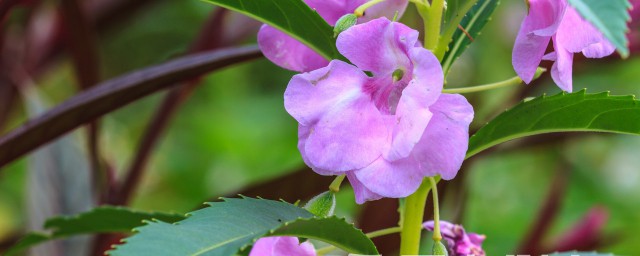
(563, 112)
(293, 17)
(454, 8)
(333, 230)
(473, 23)
(610, 17)
(105, 219)
(576, 253)
(225, 228)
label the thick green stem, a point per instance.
(432, 26)
(450, 29)
(478, 88)
(335, 184)
(412, 220)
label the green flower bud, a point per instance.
(322, 205)
(345, 22)
(439, 249)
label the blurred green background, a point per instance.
(234, 132)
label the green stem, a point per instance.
(509, 82)
(382, 232)
(452, 26)
(335, 184)
(432, 26)
(437, 236)
(412, 220)
(360, 10)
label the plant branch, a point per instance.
(516, 80)
(81, 43)
(113, 94)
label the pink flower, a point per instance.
(282, 246)
(288, 53)
(459, 242)
(555, 20)
(386, 132)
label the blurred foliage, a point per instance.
(234, 132)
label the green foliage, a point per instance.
(322, 205)
(293, 17)
(106, 219)
(610, 17)
(440, 249)
(563, 112)
(227, 227)
(332, 230)
(473, 22)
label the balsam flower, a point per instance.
(282, 246)
(460, 243)
(386, 132)
(288, 53)
(555, 20)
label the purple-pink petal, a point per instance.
(562, 69)
(287, 52)
(535, 33)
(391, 179)
(379, 46)
(361, 192)
(443, 145)
(282, 246)
(578, 35)
(346, 130)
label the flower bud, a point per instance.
(439, 249)
(345, 22)
(322, 205)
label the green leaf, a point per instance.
(576, 253)
(563, 112)
(293, 17)
(106, 219)
(227, 227)
(610, 17)
(473, 23)
(332, 230)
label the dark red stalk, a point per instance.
(532, 243)
(210, 37)
(113, 94)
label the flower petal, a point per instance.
(282, 245)
(287, 52)
(303, 134)
(379, 46)
(444, 143)
(361, 192)
(412, 112)
(562, 69)
(387, 9)
(332, 10)
(535, 32)
(346, 130)
(578, 35)
(391, 179)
